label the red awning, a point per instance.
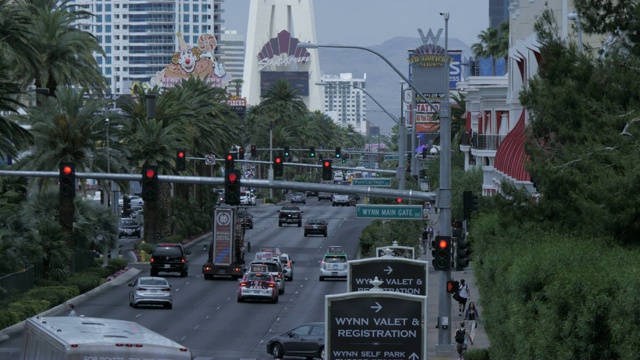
(510, 157)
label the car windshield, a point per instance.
(299, 194)
(151, 281)
(128, 222)
(315, 221)
(168, 251)
(335, 259)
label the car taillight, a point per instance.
(289, 263)
(183, 260)
(141, 289)
(207, 268)
(271, 285)
(152, 259)
(166, 289)
(279, 276)
(243, 284)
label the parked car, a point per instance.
(299, 197)
(130, 227)
(316, 226)
(247, 217)
(148, 290)
(169, 257)
(258, 286)
(287, 266)
(304, 341)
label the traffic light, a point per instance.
(229, 163)
(181, 160)
(312, 151)
(67, 179)
(126, 206)
(462, 253)
(338, 152)
(474, 202)
(149, 183)
(278, 166)
(254, 151)
(424, 152)
(423, 174)
(399, 200)
(327, 171)
(452, 286)
(232, 187)
(241, 153)
(441, 253)
(344, 161)
(466, 204)
(286, 151)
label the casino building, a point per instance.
(275, 28)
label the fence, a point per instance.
(18, 282)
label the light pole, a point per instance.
(271, 157)
(106, 120)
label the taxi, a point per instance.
(334, 264)
(258, 286)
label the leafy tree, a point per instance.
(488, 46)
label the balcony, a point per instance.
(482, 142)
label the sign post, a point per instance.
(375, 325)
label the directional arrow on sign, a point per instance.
(378, 307)
(414, 356)
(388, 270)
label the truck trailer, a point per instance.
(226, 249)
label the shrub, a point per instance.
(477, 354)
(118, 264)
(173, 239)
(144, 246)
(55, 295)
(8, 318)
(84, 281)
(29, 307)
(270, 201)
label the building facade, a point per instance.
(495, 118)
(232, 56)
(140, 38)
(345, 101)
(274, 30)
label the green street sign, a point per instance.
(391, 157)
(395, 212)
(383, 182)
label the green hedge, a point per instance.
(55, 295)
(84, 281)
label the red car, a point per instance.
(258, 286)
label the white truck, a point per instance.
(82, 338)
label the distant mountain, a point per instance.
(382, 82)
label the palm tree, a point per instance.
(489, 46)
(503, 42)
(64, 54)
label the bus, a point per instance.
(88, 338)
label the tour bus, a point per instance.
(87, 338)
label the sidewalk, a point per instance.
(480, 337)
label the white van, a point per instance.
(80, 338)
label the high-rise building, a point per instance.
(345, 100)
(274, 31)
(498, 12)
(232, 56)
(140, 38)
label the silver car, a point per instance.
(151, 290)
(299, 197)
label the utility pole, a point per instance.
(402, 140)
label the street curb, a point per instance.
(58, 310)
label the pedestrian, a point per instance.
(463, 295)
(472, 314)
(72, 310)
(461, 338)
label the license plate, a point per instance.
(166, 266)
(334, 273)
(222, 271)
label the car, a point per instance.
(316, 226)
(311, 193)
(218, 195)
(258, 286)
(340, 200)
(130, 227)
(169, 257)
(299, 197)
(304, 341)
(334, 266)
(247, 218)
(290, 214)
(150, 290)
(273, 267)
(287, 266)
(247, 198)
(134, 201)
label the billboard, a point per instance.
(299, 80)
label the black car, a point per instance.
(305, 341)
(169, 257)
(247, 218)
(130, 227)
(316, 226)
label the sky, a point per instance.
(372, 22)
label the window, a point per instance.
(196, 29)
(196, 18)
(185, 7)
(196, 7)
(107, 71)
(107, 39)
(107, 49)
(185, 18)
(107, 7)
(185, 28)
(108, 60)
(107, 28)
(107, 18)
(99, 7)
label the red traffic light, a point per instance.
(181, 154)
(67, 170)
(399, 200)
(278, 160)
(229, 157)
(232, 177)
(443, 244)
(326, 164)
(150, 173)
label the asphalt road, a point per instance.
(206, 317)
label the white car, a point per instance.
(247, 198)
